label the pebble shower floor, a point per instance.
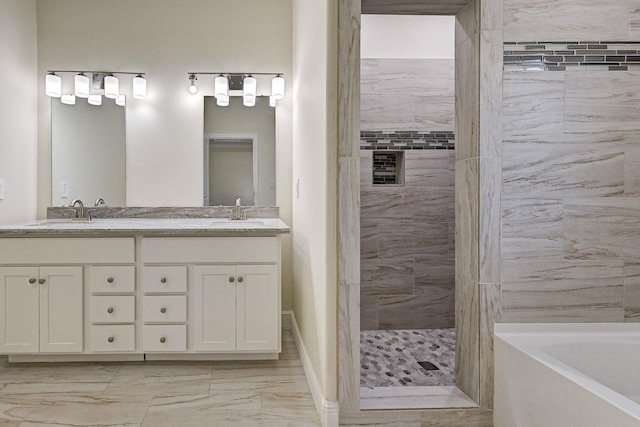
(391, 358)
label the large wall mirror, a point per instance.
(239, 153)
(87, 152)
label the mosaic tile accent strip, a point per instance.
(391, 358)
(407, 140)
(385, 167)
(562, 56)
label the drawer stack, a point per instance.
(164, 309)
(112, 310)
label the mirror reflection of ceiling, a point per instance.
(413, 7)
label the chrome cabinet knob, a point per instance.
(41, 281)
(163, 280)
(110, 280)
(110, 310)
(32, 280)
(240, 279)
(110, 339)
(231, 279)
(163, 309)
(163, 340)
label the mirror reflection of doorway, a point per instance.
(231, 169)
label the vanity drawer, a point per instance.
(113, 338)
(164, 279)
(210, 250)
(113, 309)
(161, 308)
(159, 338)
(112, 279)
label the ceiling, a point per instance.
(413, 7)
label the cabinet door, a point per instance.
(258, 305)
(214, 308)
(19, 312)
(61, 325)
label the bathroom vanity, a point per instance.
(136, 289)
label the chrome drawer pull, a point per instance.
(231, 279)
(41, 281)
(110, 310)
(110, 339)
(163, 340)
(110, 280)
(32, 280)
(163, 310)
(240, 279)
(163, 280)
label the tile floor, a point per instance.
(248, 393)
(390, 358)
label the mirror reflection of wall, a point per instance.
(239, 153)
(87, 152)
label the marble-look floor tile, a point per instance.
(161, 378)
(90, 410)
(42, 388)
(68, 372)
(288, 408)
(15, 408)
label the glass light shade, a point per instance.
(121, 100)
(95, 99)
(250, 86)
(277, 87)
(193, 89)
(111, 87)
(53, 85)
(272, 101)
(221, 87)
(68, 99)
(81, 87)
(249, 101)
(139, 87)
(222, 101)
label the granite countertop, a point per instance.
(147, 227)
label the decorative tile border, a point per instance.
(562, 56)
(407, 140)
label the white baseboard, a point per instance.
(328, 411)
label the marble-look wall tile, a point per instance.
(434, 205)
(634, 20)
(349, 89)
(349, 220)
(349, 347)
(565, 20)
(549, 170)
(632, 167)
(411, 76)
(388, 277)
(489, 219)
(467, 219)
(369, 75)
(467, 22)
(369, 319)
(532, 229)
(604, 228)
(366, 169)
(407, 240)
(426, 418)
(533, 103)
(368, 239)
(434, 270)
(427, 168)
(562, 291)
(491, 54)
(491, 14)
(467, 337)
(466, 103)
(349, 14)
(601, 101)
(632, 291)
(435, 112)
(434, 307)
(490, 314)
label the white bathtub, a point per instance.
(565, 375)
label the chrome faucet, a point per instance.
(238, 213)
(238, 202)
(79, 203)
(100, 202)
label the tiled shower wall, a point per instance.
(408, 231)
(571, 170)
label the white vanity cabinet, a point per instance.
(41, 309)
(233, 292)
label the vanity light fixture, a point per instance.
(139, 87)
(53, 85)
(81, 87)
(68, 99)
(226, 85)
(111, 86)
(193, 89)
(95, 99)
(104, 82)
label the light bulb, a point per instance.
(53, 85)
(121, 100)
(95, 99)
(193, 89)
(139, 87)
(277, 87)
(222, 101)
(111, 87)
(68, 99)
(81, 86)
(221, 86)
